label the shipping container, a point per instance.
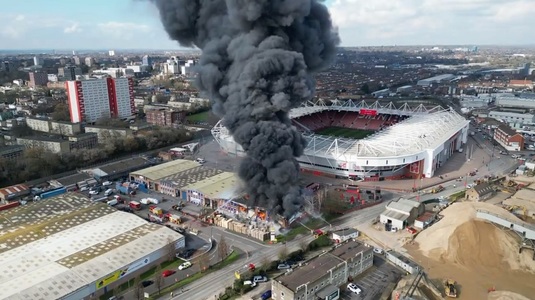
(53, 193)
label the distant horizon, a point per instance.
(198, 50)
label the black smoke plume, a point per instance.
(256, 65)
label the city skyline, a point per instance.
(127, 24)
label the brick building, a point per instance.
(38, 79)
(165, 118)
(509, 138)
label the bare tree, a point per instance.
(265, 264)
(203, 261)
(138, 288)
(283, 253)
(222, 248)
(171, 249)
(158, 278)
(303, 245)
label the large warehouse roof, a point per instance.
(418, 133)
(221, 186)
(166, 169)
(53, 248)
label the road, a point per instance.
(215, 283)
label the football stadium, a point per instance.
(370, 140)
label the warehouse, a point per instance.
(172, 177)
(119, 169)
(399, 214)
(80, 249)
(215, 191)
(435, 79)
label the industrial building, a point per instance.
(190, 181)
(321, 277)
(479, 192)
(402, 262)
(512, 118)
(119, 169)
(399, 214)
(435, 79)
(79, 249)
(521, 100)
(14, 192)
(509, 138)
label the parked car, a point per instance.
(84, 188)
(93, 192)
(378, 250)
(168, 273)
(257, 279)
(284, 267)
(266, 295)
(354, 288)
(249, 282)
(146, 283)
(184, 266)
(107, 183)
(187, 253)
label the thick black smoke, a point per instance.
(256, 65)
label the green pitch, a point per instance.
(349, 133)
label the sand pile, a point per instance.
(505, 295)
(460, 238)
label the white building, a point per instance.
(90, 100)
(52, 77)
(89, 61)
(512, 118)
(111, 53)
(37, 61)
(521, 101)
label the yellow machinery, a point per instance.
(449, 288)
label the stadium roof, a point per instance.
(53, 248)
(413, 135)
(166, 169)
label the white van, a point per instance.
(108, 192)
(112, 202)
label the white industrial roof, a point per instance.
(50, 256)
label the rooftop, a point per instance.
(73, 179)
(166, 170)
(73, 243)
(402, 207)
(221, 186)
(318, 267)
(190, 176)
(126, 165)
(14, 189)
(395, 215)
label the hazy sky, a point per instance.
(128, 24)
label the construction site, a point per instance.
(480, 249)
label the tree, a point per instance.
(203, 261)
(223, 248)
(303, 245)
(365, 88)
(138, 288)
(158, 278)
(61, 113)
(265, 264)
(171, 249)
(21, 130)
(283, 253)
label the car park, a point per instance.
(168, 273)
(354, 288)
(184, 266)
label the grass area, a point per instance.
(342, 132)
(200, 117)
(300, 229)
(144, 276)
(233, 256)
(457, 196)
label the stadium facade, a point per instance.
(409, 142)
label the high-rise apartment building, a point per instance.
(38, 79)
(37, 61)
(77, 60)
(146, 61)
(69, 72)
(90, 100)
(89, 61)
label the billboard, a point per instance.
(368, 112)
(114, 276)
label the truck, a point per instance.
(124, 188)
(449, 288)
(437, 189)
(50, 194)
(135, 205)
(155, 210)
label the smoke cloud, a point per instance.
(258, 57)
